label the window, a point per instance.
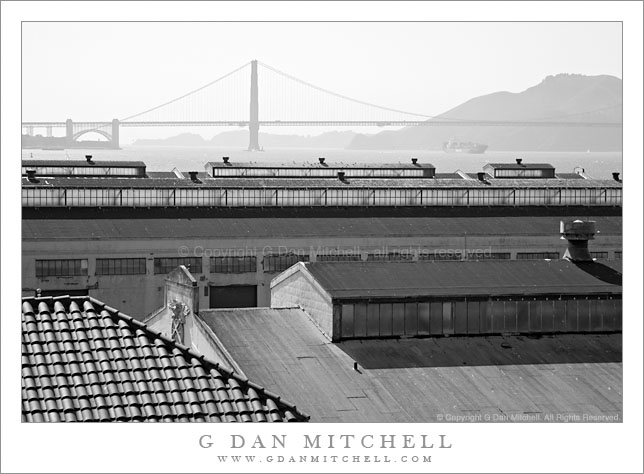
(599, 255)
(537, 255)
(618, 254)
(47, 268)
(483, 255)
(442, 255)
(339, 258)
(233, 264)
(120, 266)
(167, 264)
(279, 263)
(389, 257)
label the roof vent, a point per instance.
(31, 175)
(414, 160)
(578, 233)
(616, 177)
(225, 158)
(341, 175)
(193, 176)
(519, 160)
(89, 159)
(481, 175)
(321, 160)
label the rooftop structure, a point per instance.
(520, 170)
(88, 168)
(320, 169)
(432, 298)
(85, 361)
(265, 185)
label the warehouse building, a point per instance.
(357, 300)
(535, 374)
(115, 238)
(414, 299)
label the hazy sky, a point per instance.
(100, 71)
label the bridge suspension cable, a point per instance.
(177, 99)
(340, 96)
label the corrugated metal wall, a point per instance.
(495, 315)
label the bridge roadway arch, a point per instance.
(77, 135)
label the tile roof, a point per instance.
(292, 227)
(84, 361)
(386, 279)
(413, 380)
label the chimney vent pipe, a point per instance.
(193, 176)
(616, 177)
(321, 160)
(89, 159)
(225, 158)
(31, 175)
(341, 175)
(578, 233)
(519, 160)
(481, 176)
(414, 160)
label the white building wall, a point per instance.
(296, 287)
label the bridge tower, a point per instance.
(69, 131)
(115, 134)
(253, 125)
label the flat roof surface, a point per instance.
(294, 227)
(464, 278)
(83, 163)
(414, 380)
(301, 183)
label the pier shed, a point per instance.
(384, 299)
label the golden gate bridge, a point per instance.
(286, 101)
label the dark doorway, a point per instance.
(234, 296)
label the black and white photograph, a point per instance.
(322, 236)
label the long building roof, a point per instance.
(318, 165)
(311, 227)
(297, 183)
(85, 361)
(363, 280)
(82, 164)
(414, 380)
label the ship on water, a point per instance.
(454, 146)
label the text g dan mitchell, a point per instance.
(346, 441)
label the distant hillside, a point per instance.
(239, 138)
(184, 139)
(565, 97)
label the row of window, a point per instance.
(297, 197)
(271, 263)
(330, 172)
(85, 171)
